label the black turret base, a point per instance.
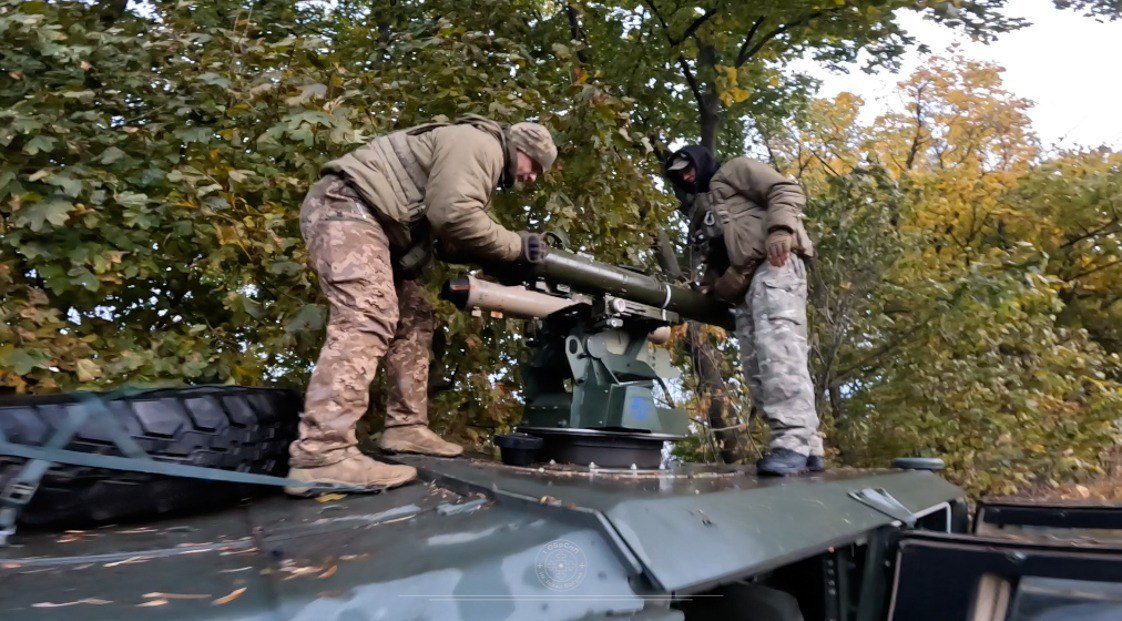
(604, 448)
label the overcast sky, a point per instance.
(1069, 65)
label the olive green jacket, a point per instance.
(441, 175)
(750, 199)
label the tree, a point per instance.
(939, 283)
(1071, 208)
(154, 163)
(151, 183)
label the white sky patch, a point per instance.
(1066, 63)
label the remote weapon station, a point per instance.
(592, 367)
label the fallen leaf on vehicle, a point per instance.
(158, 595)
(250, 550)
(296, 572)
(330, 497)
(235, 570)
(93, 601)
(128, 561)
(226, 599)
(330, 572)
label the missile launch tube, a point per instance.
(595, 278)
(468, 292)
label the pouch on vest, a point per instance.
(707, 241)
(411, 264)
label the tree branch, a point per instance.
(692, 28)
(1096, 269)
(688, 32)
(1090, 234)
(694, 86)
(576, 33)
(743, 58)
(917, 140)
(665, 27)
(742, 53)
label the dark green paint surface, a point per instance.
(473, 543)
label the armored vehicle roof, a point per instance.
(477, 540)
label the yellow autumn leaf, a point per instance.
(88, 370)
(226, 234)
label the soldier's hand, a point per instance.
(509, 274)
(779, 245)
(731, 286)
(533, 248)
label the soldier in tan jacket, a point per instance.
(370, 225)
(746, 228)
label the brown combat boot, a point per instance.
(417, 439)
(357, 471)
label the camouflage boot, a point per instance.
(357, 471)
(417, 439)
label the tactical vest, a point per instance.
(706, 239)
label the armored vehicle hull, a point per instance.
(482, 540)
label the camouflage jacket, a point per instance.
(437, 176)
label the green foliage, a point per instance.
(154, 163)
(154, 166)
(1071, 206)
(963, 303)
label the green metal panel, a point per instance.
(468, 547)
(698, 526)
(418, 552)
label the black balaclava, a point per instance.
(702, 161)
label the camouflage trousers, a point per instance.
(370, 317)
(771, 328)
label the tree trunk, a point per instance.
(710, 113)
(709, 108)
(711, 384)
(711, 387)
(666, 257)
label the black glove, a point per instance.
(509, 274)
(534, 248)
(450, 253)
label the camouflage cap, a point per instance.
(534, 140)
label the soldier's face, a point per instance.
(526, 169)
